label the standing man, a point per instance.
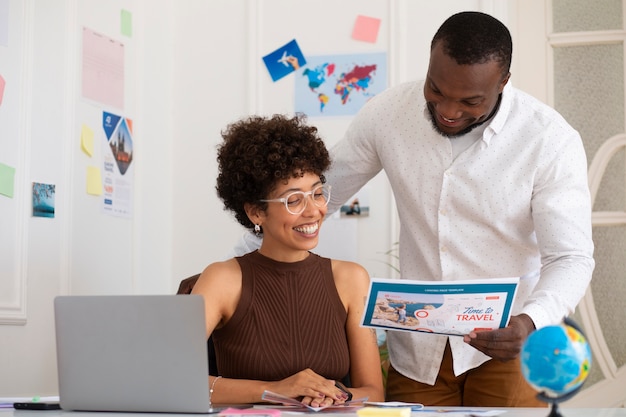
(489, 182)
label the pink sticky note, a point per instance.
(2, 83)
(366, 29)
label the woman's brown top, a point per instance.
(289, 318)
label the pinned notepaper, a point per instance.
(366, 29)
(86, 140)
(103, 69)
(94, 181)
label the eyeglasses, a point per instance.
(296, 202)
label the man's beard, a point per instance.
(461, 132)
(466, 130)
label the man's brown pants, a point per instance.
(492, 384)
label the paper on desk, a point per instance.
(458, 412)
(412, 406)
(293, 403)
(7, 402)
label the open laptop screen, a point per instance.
(135, 353)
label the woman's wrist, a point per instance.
(212, 388)
(344, 389)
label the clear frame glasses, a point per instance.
(296, 202)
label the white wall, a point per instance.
(191, 68)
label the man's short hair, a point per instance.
(475, 38)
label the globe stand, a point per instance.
(554, 411)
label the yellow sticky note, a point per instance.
(384, 412)
(94, 181)
(86, 140)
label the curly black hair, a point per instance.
(475, 38)
(259, 152)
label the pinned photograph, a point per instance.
(358, 205)
(43, 200)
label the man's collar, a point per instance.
(498, 120)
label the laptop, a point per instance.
(132, 353)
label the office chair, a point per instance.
(185, 287)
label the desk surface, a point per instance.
(428, 412)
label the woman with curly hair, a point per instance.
(282, 318)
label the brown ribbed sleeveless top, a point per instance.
(289, 318)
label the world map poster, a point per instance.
(339, 85)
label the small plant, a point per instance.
(393, 257)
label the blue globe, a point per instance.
(556, 360)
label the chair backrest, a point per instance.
(185, 287)
(187, 284)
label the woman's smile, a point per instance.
(308, 229)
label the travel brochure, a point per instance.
(441, 307)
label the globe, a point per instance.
(556, 360)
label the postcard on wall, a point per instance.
(118, 170)
(442, 307)
(43, 200)
(284, 60)
(358, 205)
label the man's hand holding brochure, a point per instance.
(442, 307)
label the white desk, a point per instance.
(509, 412)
